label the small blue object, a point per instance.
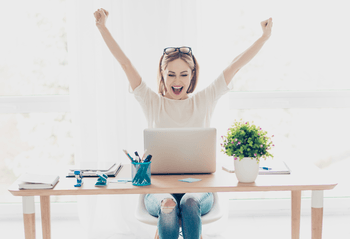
(79, 177)
(190, 180)
(124, 180)
(102, 180)
(266, 168)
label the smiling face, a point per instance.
(177, 78)
(177, 75)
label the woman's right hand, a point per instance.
(101, 16)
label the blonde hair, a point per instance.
(163, 64)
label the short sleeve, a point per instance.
(220, 86)
(140, 91)
(216, 89)
(148, 100)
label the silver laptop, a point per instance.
(181, 150)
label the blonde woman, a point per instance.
(173, 106)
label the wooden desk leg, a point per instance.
(296, 203)
(45, 216)
(317, 213)
(29, 216)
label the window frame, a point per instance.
(289, 99)
(237, 100)
(34, 104)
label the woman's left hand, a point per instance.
(266, 27)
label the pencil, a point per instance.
(144, 154)
(128, 155)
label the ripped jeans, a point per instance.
(189, 208)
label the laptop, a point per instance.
(181, 150)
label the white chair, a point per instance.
(142, 214)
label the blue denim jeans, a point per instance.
(189, 208)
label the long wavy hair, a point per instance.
(163, 64)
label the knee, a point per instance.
(189, 202)
(168, 205)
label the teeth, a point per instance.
(177, 88)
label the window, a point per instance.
(35, 123)
(34, 55)
(298, 84)
(39, 142)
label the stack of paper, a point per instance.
(110, 171)
(273, 167)
(37, 181)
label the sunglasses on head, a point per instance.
(184, 49)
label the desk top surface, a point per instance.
(221, 181)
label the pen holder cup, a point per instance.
(141, 174)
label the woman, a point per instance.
(175, 106)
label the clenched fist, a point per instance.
(101, 16)
(266, 27)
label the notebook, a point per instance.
(109, 170)
(37, 181)
(181, 150)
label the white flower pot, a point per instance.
(246, 169)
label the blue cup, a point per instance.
(141, 174)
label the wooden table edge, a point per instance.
(149, 189)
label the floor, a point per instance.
(271, 227)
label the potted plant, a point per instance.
(248, 144)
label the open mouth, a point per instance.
(177, 90)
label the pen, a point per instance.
(266, 168)
(138, 157)
(127, 154)
(148, 158)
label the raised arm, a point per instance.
(133, 76)
(249, 54)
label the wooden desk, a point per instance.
(220, 181)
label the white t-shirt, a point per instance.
(195, 111)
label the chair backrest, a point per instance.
(215, 213)
(142, 214)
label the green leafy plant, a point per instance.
(245, 139)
